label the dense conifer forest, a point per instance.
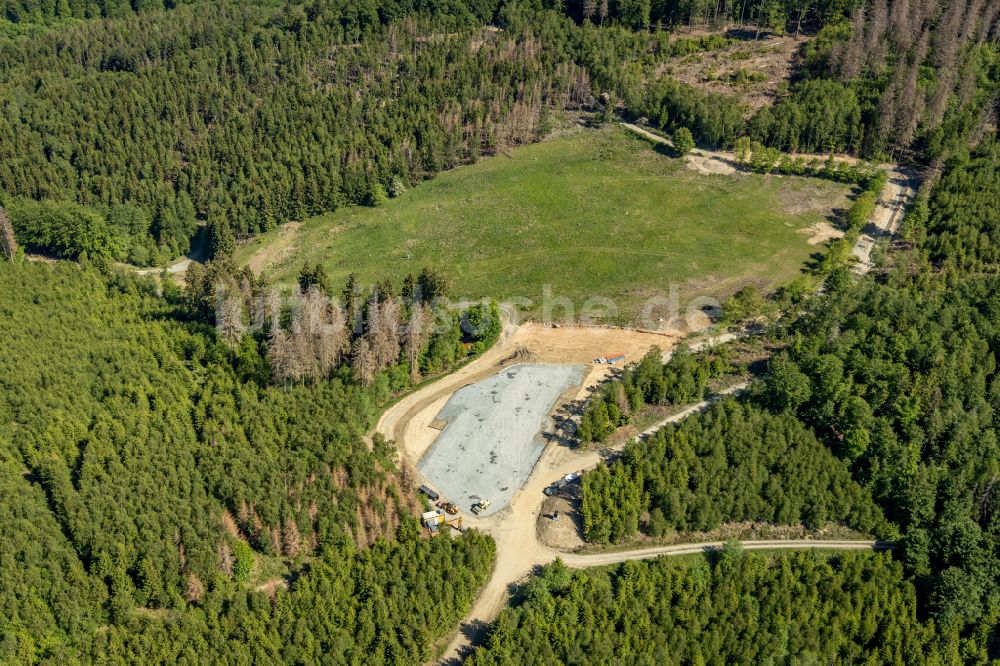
(900, 379)
(151, 473)
(246, 115)
(733, 464)
(173, 488)
(739, 607)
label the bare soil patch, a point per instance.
(271, 587)
(582, 344)
(711, 165)
(559, 524)
(821, 232)
(275, 252)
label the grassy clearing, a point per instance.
(592, 213)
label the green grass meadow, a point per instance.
(591, 213)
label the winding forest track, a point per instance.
(519, 549)
(514, 529)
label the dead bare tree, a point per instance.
(224, 555)
(852, 54)
(322, 327)
(8, 244)
(383, 331)
(333, 342)
(363, 362)
(875, 43)
(291, 540)
(285, 355)
(415, 338)
(229, 321)
(195, 589)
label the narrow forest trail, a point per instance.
(178, 267)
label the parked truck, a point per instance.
(610, 359)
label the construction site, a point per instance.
(489, 434)
(476, 436)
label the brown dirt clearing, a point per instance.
(711, 165)
(752, 74)
(821, 232)
(277, 251)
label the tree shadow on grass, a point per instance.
(665, 150)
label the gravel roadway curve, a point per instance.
(519, 550)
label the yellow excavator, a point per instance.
(449, 507)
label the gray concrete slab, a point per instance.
(492, 438)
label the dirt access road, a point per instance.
(519, 549)
(899, 191)
(198, 254)
(602, 559)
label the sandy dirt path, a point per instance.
(601, 559)
(898, 192)
(519, 550)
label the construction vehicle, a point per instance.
(435, 520)
(480, 506)
(449, 507)
(610, 359)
